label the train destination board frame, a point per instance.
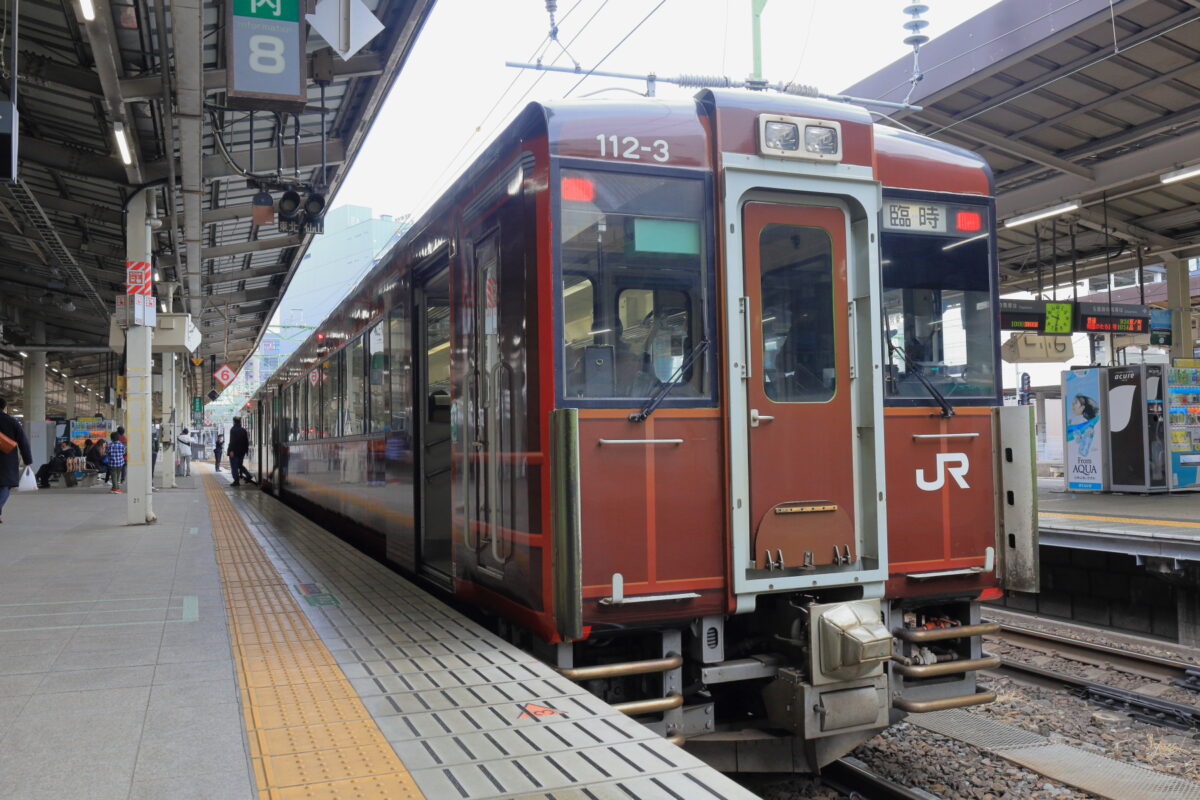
(1112, 318)
(1048, 317)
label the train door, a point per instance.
(800, 437)
(489, 485)
(431, 298)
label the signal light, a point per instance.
(289, 208)
(968, 221)
(578, 190)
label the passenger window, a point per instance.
(797, 314)
(312, 417)
(377, 376)
(331, 386)
(401, 370)
(355, 391)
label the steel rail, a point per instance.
(1141, 707)
(853, 778)
(1181, 673)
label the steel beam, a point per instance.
(1093, 218)
(237, 248)
(237, 298)
(1138, 165)
(1007, 144)
(246, 274)
(103, 38)
(215, 167)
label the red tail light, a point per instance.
(968, 221)
(579, 190)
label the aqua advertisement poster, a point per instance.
(1083, 454)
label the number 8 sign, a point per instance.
(265, 55)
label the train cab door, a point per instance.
(800, 449)
(431, 298)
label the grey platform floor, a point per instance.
(1171, 519)
(117, 681)
(116, 678)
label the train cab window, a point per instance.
(797, 314)
(635, 294)
(938, 315)
(355, 412)
(377, 376)
(331, 387)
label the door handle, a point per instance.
(756, 418)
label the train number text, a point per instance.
(613, 146)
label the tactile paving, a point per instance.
(310, 735)
(470, 715)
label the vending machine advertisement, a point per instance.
(1083, 409)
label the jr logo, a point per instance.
(954, 463)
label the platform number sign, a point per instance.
(225, 375)
(265, 55)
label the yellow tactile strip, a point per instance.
(310, 736)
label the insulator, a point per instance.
(802, 89)
(916, 9)
(916, 25)
(916, 41)
(703, 81)
(551, 7)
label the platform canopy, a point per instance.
(158, 71)
(1070, 101)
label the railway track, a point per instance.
(1140, 706)
(854, 779)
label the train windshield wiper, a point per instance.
(663, 390)
(918, 372)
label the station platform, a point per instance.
(237, 650)
(1164, 525)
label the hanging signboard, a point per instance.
(225, 375)
(1112, 318)
(265, 59)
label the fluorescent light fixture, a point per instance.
(122, 143)
(24, 354)
(1033, 216)
(89, 10)
(157, 277)
(1180, 174)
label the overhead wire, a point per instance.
(455, 163)
(624, 38)
(812, 12)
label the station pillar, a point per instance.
(1179, 300)
(170, 420)
(34, 405)
(138, 365)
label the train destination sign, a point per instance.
(1036, 316)
(1112, 318)
(944, 219)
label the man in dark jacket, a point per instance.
(239, 446)
(10, 468)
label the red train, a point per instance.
(698, 400)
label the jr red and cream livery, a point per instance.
(699, 400)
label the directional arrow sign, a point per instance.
(346, 24)
(225, 375)
(198, 361)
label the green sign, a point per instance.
(197, 405)
(1160, 338)
(1059, 317)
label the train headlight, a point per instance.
(781, 136)
(820, 139)
(799, 137)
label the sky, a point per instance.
(455, 94)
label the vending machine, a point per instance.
(1183, 426)
(1135, 428)
(1083, 403)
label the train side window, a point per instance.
(400, 355)
(355, 390)
(797, 314)
(312, 415)
(377, 375)
(331, 388)
(579, 353)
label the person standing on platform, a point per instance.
(10, 466)
(116, 461)
(219, 450)
(239, 446)
(185, 452)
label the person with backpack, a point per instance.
(14, 448)
(185, 452)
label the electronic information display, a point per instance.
(1114, 318)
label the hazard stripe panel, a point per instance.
(310, 735)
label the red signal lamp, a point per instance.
(578, 190)
(968, 221)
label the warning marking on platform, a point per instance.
(316, 595)
(534, 711)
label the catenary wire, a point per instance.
(599, 63)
